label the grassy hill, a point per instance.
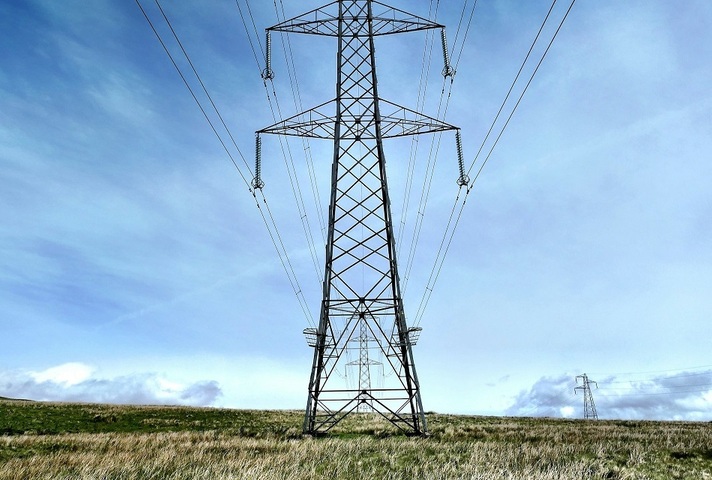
(76, 441)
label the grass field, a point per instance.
(70, 441)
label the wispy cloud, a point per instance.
(78, 382)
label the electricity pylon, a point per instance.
(364, 363)
(361, 300)
(589, 407)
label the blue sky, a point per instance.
(135, 267)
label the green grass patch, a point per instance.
(84, 441)
(38, 418)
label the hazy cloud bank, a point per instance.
(77, 382)
(679, 396)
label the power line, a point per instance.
(415, 143)
(446, 240)
(217, 111)
(526, 87)
(439, 260)
(633, 388)
(192, 93)
(672, 377)
(467, 32)
(643, 386)
(249, 37)
(645, 394)
(511, 87)
(435, 144)
(683, 369)
(472, 183)
(284, 144)
(293, 176)
(276, 239)
(268, 220)
(295, 285)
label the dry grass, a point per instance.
(266, 445)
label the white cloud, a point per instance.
(546, 398)
(567, 412)
(67, 375)
(77, 382)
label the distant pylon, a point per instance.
(589, 407)
(364, 363)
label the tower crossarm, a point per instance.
(395, 121)
(324, 21)
(317, 122)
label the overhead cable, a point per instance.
(268, 220)
(192, 93)
(473, 181)
(200, 80)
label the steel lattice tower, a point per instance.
(589, 407)
(364, 363)
(362, 301)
